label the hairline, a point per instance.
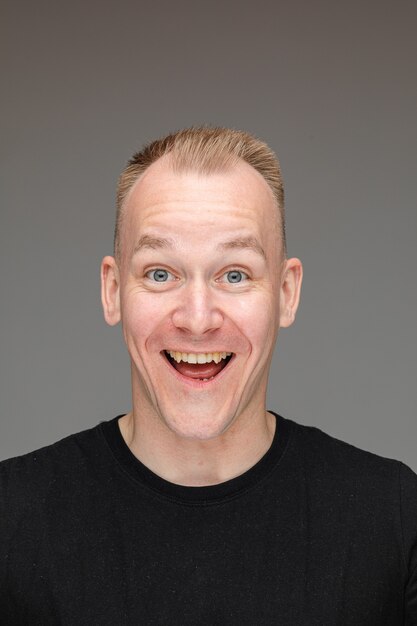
(179, 168)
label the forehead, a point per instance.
(236, 199)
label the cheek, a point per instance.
(257, 319)
(141, 317)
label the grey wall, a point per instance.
(330, 85)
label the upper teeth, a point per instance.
(200, 357)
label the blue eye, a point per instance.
(159, 275)
(235, 276)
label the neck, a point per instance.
(195, 463)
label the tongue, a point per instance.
(199, 370)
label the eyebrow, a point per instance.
(241, 243)
(149, 241)
(244, 243)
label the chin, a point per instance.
(197, 426)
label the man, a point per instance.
(199, 505)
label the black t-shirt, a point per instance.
(317, 532)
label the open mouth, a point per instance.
(202, 366)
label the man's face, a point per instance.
(201, 277)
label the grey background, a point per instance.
(330, 85)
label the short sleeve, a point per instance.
(408, 486)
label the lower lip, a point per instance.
(197, 383)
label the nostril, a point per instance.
(197, 317)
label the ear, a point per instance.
(291, 279)
(110, 290)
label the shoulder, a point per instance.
(375, 497)
(325, 454)
(41, 489)
(28, 478)
(375, 483)
(348, 473)
(372, 484)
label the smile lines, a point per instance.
(200, 357)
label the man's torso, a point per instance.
(313, 534)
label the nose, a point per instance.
(197, 312)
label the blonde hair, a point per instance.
(205, 150)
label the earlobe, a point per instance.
(290, 291)
(110, 290)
